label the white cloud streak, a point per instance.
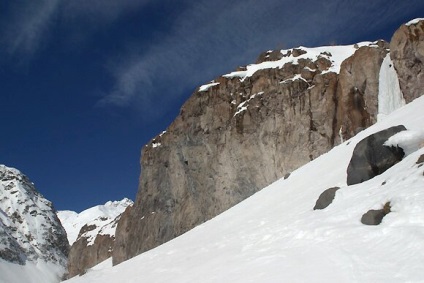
(27, 26)
(212, 37)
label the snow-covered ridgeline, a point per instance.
(336, 54)
(99, 216)
(414, 21)
(390, 96)
(32, 241)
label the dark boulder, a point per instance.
(375, 216)
(371, 158)
(326, 198)
(420, 159)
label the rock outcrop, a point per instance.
(371, 157)
(90, 250)
(375, 216)
(29, 228)
(326, 198)
(357, 105)
(407, 54)
(91, 234)
(245, 130)
(237, 135)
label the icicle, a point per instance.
(390, 96)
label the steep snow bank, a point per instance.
(276, 236)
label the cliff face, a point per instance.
(240, 133)
(91, 234)
(245, 130)
(407, 54)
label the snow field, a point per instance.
(275, 236)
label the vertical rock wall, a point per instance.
(407, 54)
(237, 136)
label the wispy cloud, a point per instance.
(98, 12)
(26, 26)
(212, 37)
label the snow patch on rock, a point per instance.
(414, 21)
(336, 54)
(409, 140)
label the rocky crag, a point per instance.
(248, 128)
(91, 234)
(30, 231)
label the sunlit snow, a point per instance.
(414, 21)
(336, 54)
(207, 86)
(99, 215)
(276, 236)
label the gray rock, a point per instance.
(420, 159)
(375, 216)
(371, 158)
(326, 198)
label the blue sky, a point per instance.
(85, 84)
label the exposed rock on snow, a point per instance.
(372, 156)
(420, 159)
(326, 198)
(30, 231)
(375, 216)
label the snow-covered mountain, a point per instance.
(91, 234)
(276, 236)
(100, 216)
(33, 244)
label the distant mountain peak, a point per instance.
(29, 228)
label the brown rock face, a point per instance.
(239, 136)
(357, 91)
(407, 54)
(83, 256)
(95, 241)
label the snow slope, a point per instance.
(276, 236)
(100, 216)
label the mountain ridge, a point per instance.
(31, 233)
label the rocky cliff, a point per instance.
(91, 234)
(29, 228)
(248, 128)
